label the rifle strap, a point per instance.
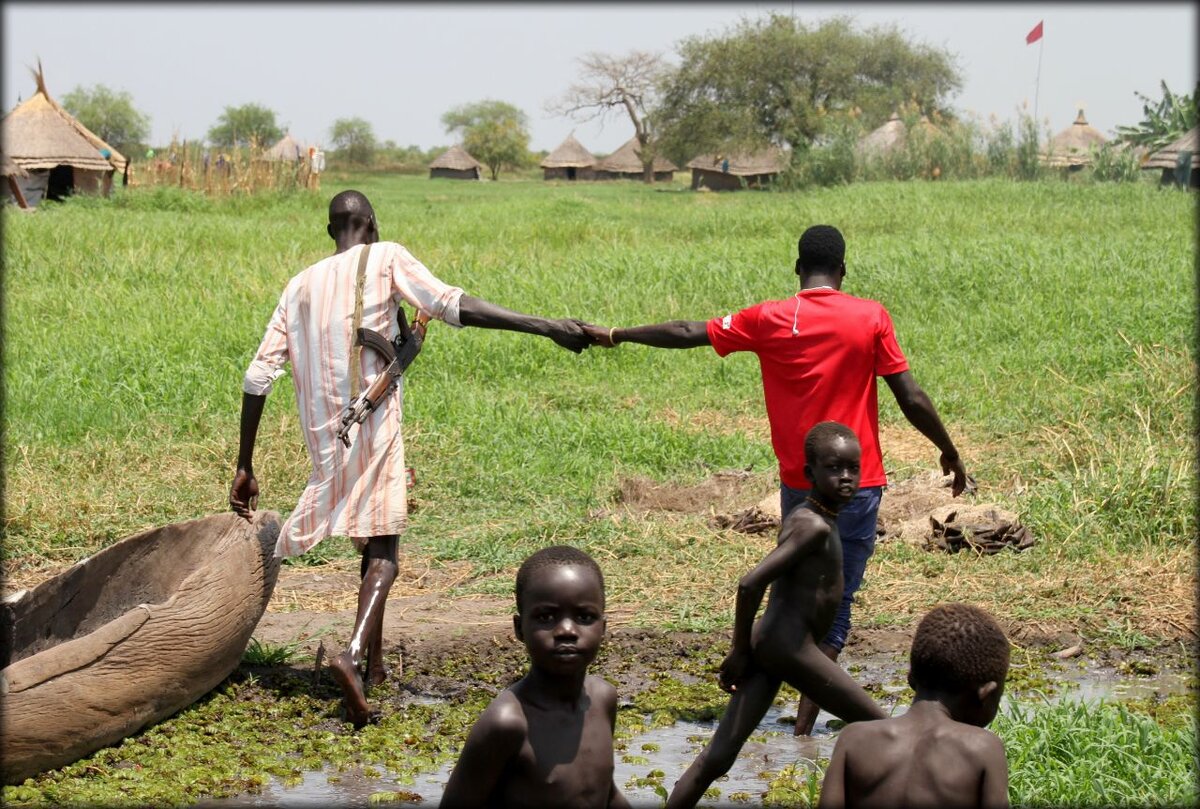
(356, 350)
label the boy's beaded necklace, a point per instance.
(821, 508)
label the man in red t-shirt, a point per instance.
(820, 352)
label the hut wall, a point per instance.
(93, 182)
(454, 174)
(659, 176)
(33, 187)
(721, 181)
(569, 173)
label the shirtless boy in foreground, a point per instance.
(548, 739)
(804, 572)
(939, 753)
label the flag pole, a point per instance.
(1038, 81)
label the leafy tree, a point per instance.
(623, 85)
(1164, 121)
(111, 115)
(247, 125)
(354, 139)
(494, 132)
(776, 80)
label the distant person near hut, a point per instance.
(820, 352)
(357, 491)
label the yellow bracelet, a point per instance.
(611, 341)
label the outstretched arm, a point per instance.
(920, 412)
(672, 334)
(243, 493)
(483, 314)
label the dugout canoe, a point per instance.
(129, 636)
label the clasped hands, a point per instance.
(575, 335)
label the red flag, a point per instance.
(1034, 35)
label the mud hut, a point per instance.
(58, 155)
(731, 172)
(1176, 168)
(286, 149)
(626, 164)
(570, 161)
(888, 136)
(1072, 148)
(456, 164)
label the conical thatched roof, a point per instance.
(457, 158)
(569, 154)
(771, 160)
(1165, 157)
(628, 160)
(288, 148)
(39, 134)
(1073, 146)
(885, 138)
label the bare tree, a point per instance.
(614, 85)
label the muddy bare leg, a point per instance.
(380, 572)
(376, 672)
(746, 709)
(807, 710)
(810, 672)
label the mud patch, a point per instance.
(721, 492)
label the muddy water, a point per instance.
(671, 749)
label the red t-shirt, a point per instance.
(819, 352)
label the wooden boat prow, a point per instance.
(129, 636)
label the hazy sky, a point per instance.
(402, 66)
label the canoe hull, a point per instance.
(129, 636)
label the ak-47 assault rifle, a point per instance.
(399, 354)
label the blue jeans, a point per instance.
(856, 525)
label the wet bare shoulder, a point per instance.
(504, 718)
(600, 691)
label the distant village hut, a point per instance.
(570, 161)
(731, 172)
(456, 164)
(286, 149)
(626, 164)
(1179, 161)
(1072, 148)
(50, 155)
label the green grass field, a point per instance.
(1052, 324)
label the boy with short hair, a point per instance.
(804, 572)
(939, 753)
(547, 740)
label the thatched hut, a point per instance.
(57, 154)
(731, 172)
(1072, 148)
(286, 149)
(1176, 168)
(456, 164)
(570, 161)
(626, 164)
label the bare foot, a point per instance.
(346, 674)
(806, 717)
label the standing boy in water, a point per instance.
(939, 753)
(548, 739)
(804, 572)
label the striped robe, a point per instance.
(361, 491)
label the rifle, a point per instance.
(398, 353)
